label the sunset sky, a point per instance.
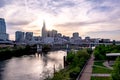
(94, 18)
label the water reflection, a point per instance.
(32, 67)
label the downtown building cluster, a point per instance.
(53, 37)
(47, 37)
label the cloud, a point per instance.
(113, 34)
(81, 16)
(77, 24)
(100, 9)
(104, 10)
(15, 23)
(2, 3)
(111, 31)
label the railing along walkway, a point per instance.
(86, 72)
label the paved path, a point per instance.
(107, 65)
(101, 75)
(86, 75)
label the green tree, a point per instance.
(70, 57)
(116, 71)
(76, 61)
(46, 48)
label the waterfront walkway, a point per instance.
(87, 73)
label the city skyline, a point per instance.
(94, 18)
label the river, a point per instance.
(31, 67)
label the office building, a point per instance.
(75, 35)
(29, 36)
(44, 31)
(3, 34)
(19, 36)
(59, 35)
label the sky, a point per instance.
(94, 18)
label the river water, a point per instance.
(31, 67)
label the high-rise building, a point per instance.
(54, 33)
(29, 36)
(59, 35)
(37, 38)
(3, 34)
(44, 31)
(87, 38)
(75, 35)
(19, 36)
(49, 34)
(2, 26)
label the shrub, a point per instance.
(116, 71)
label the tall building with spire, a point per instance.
(3, 34)
(44, 31)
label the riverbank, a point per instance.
(31, 67)
(6, 53)
(75, 63)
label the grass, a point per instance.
(98, 67)
(101, 78)
(99, 63)
(101, 70)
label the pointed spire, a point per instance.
(44, 24)
(44, 31)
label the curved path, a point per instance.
(107, 65)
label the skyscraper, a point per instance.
(2, 26)
(19, 36)
(75, 35)
(29, 36)
(3, 34)
(44, 31)
(54, 33)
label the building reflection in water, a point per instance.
(32, 67)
